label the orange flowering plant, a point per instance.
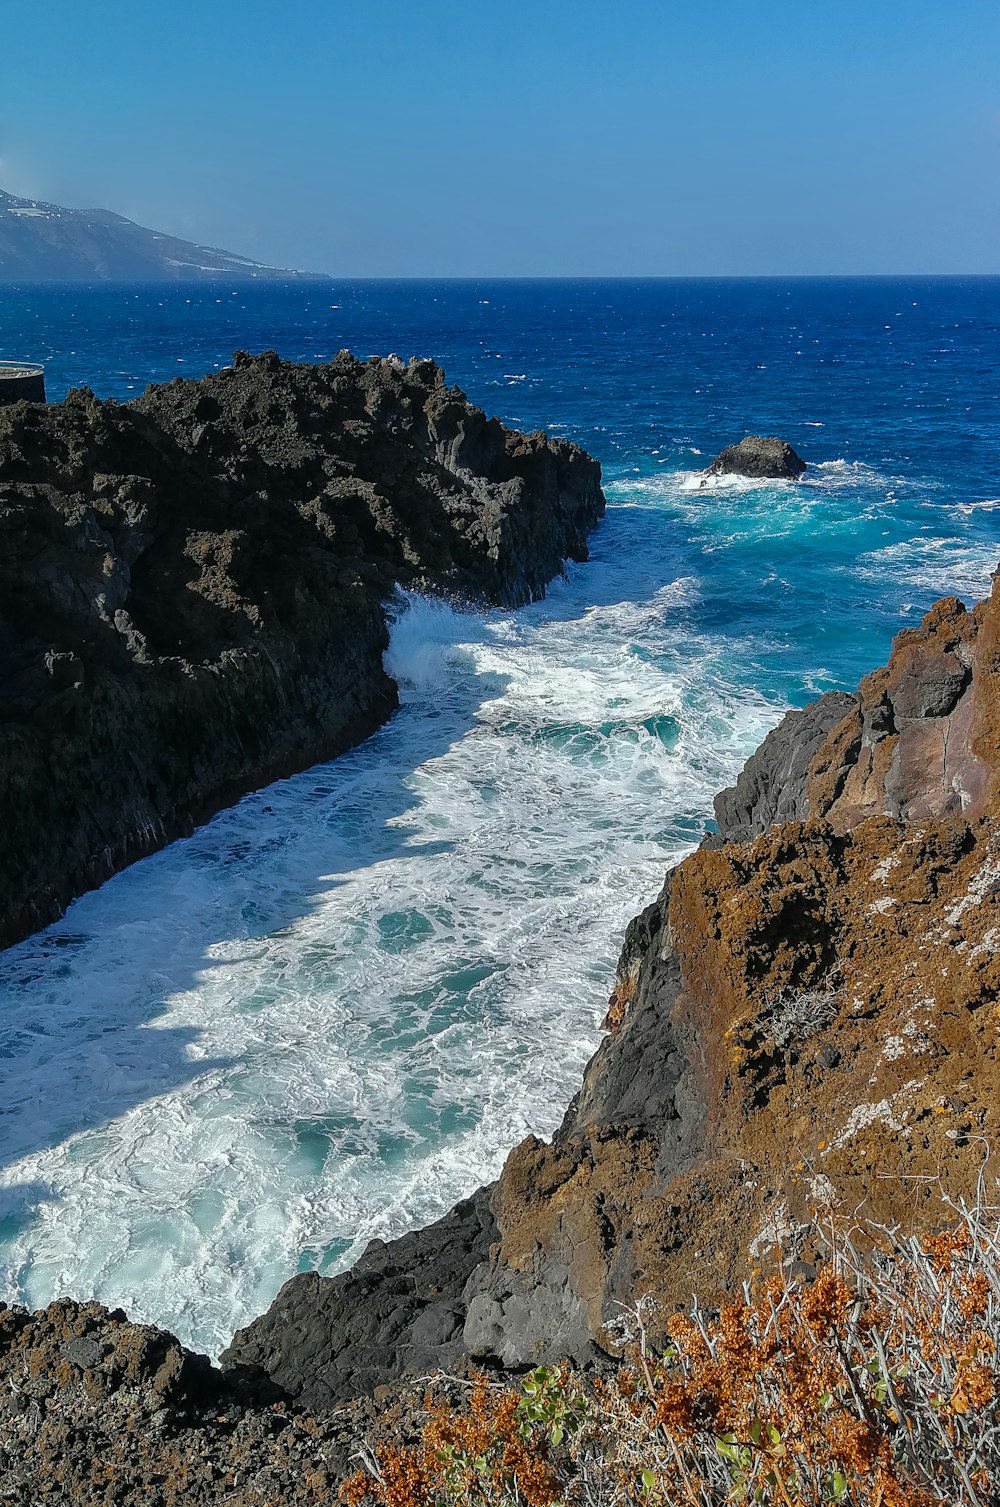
(874, 1385)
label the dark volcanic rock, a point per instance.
(398, 1310)
(758, 455)
(193, 588)
(771, 786)
(98, 1412)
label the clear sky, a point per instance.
(564, 137)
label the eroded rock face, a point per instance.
(772, 784)
(398, 1311)
(193, 588)
(806, 1016)
(759, 455)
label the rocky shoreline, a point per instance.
(804, 1019)
(193, 589)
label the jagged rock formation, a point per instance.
(806, 1016)
(98, 1412)
(758, 455)
(316, 1339)
(41, 242)
(193, 589)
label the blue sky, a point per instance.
(438, 138)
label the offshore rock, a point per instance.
(193, 589)
(805, 1017)
(758, 455)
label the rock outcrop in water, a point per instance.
(759, 455)
(806, 1016)
(193, 589)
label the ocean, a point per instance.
(331, 1012)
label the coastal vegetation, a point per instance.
(872, 1383)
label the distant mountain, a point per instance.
(42, 242)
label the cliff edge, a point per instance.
(806, 1017)
(193, 589)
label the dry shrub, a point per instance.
(872, 1386)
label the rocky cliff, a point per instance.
(193, 589)
(805, 1018)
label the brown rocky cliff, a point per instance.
(805, 1018)
(921, 739)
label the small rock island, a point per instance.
(759, 455)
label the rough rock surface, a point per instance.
(193, 589)
(807, 1015)
(398, 1310)
(761, 455)
(771, 786)
(98, 1412)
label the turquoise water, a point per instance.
(331, 1012)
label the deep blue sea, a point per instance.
(335, 1008)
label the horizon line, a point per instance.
(312, 278)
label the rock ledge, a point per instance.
(193, 589)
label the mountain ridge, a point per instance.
(43, 242)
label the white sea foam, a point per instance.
(335, 1008)
(697, 481)
(939, 566)
(988, 505)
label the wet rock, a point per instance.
(759, 455)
